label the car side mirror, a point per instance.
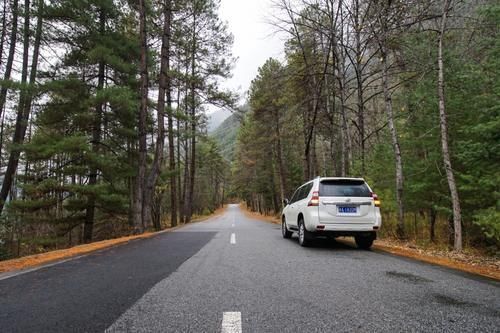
(285, 202)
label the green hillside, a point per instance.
(226, 134)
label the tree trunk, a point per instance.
(185, 178)
(360, 92)
(432, 224)
(171, 148)
(25, 99)
(192, 168)
(395, 141)
(346, 148)
(143, 109)
(457, 218)
(180, 201)
(10, 57)
(281, 167)
(4, 29)
(96, 138)
(164, 87)
(2, 126)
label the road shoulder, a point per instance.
(15, 266)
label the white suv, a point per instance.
(333, 207)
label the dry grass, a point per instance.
(466, 262)
(44, 258)
(52, 256)
(255, 215)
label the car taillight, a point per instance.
(376, 200)
(314, 200)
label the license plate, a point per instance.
(348, 210)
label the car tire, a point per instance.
(287, 234)
(364, 242)
(305, 237)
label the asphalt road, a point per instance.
(233, 274)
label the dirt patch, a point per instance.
(48, 257)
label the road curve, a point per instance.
(235, 274)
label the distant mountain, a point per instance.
(227, 132)
(216, 118)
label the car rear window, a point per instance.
(344, 188)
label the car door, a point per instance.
(290, 210)
(302, 201)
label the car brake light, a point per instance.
(376, 200)
(314, 200)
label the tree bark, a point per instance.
(457, 215)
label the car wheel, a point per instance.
(304, 235)
(284, 230)
(364, 242)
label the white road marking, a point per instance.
(233, 239)
(231, 322)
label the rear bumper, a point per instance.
(350, 233)
(347, 227)
(344, 228)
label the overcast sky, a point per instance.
(254, 40)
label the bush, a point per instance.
(488, 221)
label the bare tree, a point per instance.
(388, 18)
(457, 215)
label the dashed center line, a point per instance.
(233, 239)
(231, 322)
